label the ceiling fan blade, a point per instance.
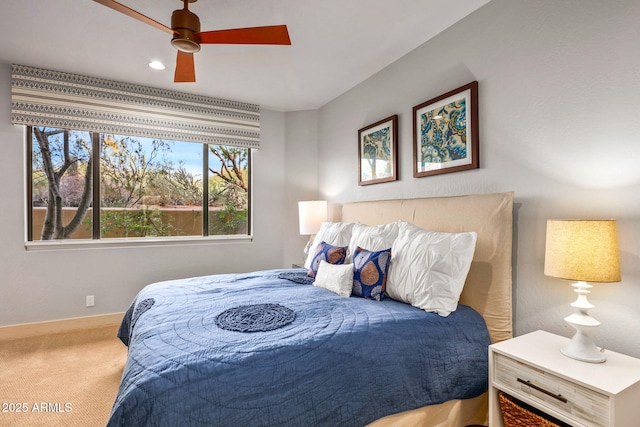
(274, 34)
(134, 14)
(185, 68)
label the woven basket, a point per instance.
(518, 414)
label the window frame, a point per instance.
(98, 241)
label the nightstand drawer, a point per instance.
(572, 400)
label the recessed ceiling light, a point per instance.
(157, 65)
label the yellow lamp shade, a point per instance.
(583, 250)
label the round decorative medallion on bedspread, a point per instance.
(255, 318)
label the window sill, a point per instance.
(133, 242)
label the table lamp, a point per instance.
(585, 251)
(311, 214)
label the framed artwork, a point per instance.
(445, 132)
(378, 152)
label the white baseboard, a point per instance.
(56, 326)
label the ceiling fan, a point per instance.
(187, 37)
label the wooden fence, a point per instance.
(183, 221)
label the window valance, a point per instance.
(70, 101)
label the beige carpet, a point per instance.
(66, 379)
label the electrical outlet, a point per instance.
(90, 300)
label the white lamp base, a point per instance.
(581, 347)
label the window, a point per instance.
(141, 187)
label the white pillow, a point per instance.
(372, 238)
(428, 268)
(334, 233)
(337, 278)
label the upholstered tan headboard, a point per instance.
(488, 285)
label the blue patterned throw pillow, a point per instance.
(329, 253)
(370, 273)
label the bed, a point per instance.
(271, 348)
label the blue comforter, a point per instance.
(342, 361)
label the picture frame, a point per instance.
(378, 152)
(445, 133)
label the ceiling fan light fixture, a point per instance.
(185, 45)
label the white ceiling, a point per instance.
(336, 44)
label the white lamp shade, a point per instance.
(311, 215)
(583, 250)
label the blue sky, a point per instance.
(190, 153)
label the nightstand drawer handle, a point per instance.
(541, 390)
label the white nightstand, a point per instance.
(532, 369)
